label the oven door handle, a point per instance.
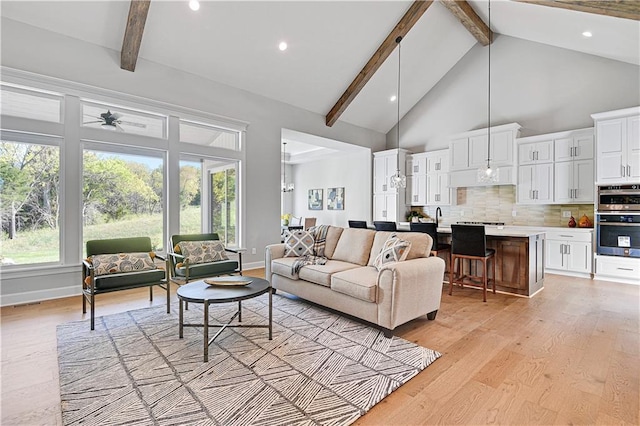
(618, 224)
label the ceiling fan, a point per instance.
(112, 121)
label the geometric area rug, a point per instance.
(319, 369)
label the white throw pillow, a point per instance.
(394, 250)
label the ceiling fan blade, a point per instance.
(119, 128)
(116, 115)
(131, 123)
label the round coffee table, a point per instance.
(201, 292)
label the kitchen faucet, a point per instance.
(438, 211)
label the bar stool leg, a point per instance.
(493, 261)
(452, 273)
(485, 278)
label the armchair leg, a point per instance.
(84, 303)
(93, 311)
(151, 293)
(168, 296)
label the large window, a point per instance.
(191, 197)
(122, 196)
(224, 204)
(29, 202)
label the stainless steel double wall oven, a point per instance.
(618, 220)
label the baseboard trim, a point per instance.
(253, 265)
(39, 295)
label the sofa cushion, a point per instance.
(204, 270)
(283, 267)
(420, 244)
(333, 235)
(298, 243)
(354, 246)
(394, 250)
(321, 274)
(361, 283)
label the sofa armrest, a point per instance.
(272, 251)
(409, 289)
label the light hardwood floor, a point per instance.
(569, 355)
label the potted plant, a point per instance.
(414, 216)
(284, 219)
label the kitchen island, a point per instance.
(519, 256)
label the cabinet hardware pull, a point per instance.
(625, 269)
(628, 170)
(384, 187)
(561, 248)
(566, 236)
(622, 167)
(576, 151)
(575, 193)
(568, 249)
(384, 213)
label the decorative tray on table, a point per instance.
(228, 281)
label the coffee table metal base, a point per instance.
(205, 325)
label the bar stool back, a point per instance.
(470, 242)
(432, 230)
(357, 224)
(382, 225)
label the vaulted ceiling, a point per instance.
(329, 43)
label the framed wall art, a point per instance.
(335, 198)
(315, 199)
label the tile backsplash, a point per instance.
(496, 204)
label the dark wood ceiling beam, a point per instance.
(628, 9)
(138, 11)
(412, 16)
(470, 19)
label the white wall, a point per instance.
(544, 88)
(39, 51)
(351, 171)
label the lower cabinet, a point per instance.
(570, 253)
(623, 269)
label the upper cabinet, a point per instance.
(469, 151)
(556, 168)
(618, 146)
(387, 201)
(428, 179)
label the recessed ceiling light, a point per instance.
(587, 34)
(393, 98)
(194, 4)
(282, 46)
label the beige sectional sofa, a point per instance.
(349, 282)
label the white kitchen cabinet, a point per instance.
(416, 190)
(577, 145)
(459, 154)
(535, 184)
(618, 146)
(574, 182)
(438, 191)
(416, 164)
(388, 202)
(468, 152)
(616, 268)
(535, 152)
(385, 207)
(437, 161)
(569, 252)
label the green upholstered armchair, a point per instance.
(182, 270)
(120, 264)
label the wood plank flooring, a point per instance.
(569, 355)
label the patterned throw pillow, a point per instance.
(118, 263)
(202, 251)
(393, 250)
(298, 243)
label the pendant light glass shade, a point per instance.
(398, 180)
(286, 187)
(489, 174)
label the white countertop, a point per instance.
(509, 230)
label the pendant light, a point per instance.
(487, 174)
(286, 187)
(398, 180)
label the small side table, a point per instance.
(201, 292)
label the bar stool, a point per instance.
(357, 224)
(382, 225)
(470, 242)
(432, 230)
